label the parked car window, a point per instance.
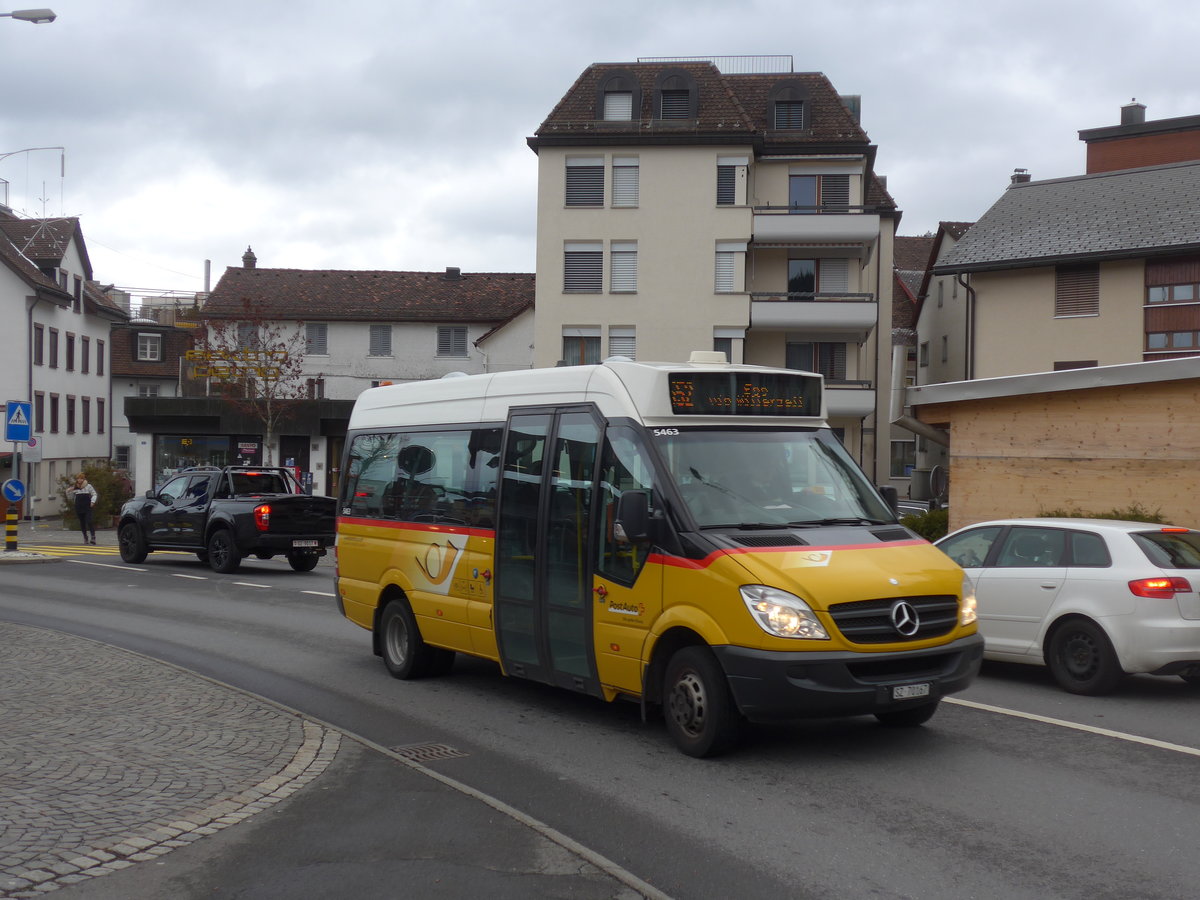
(1171, 549)
(1032, 547)
(1088, 549)
(971, 548)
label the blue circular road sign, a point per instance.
(13, 490)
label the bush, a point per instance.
(930, 525)
(1135, 512)
(113, 488)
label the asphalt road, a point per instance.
(1014, 790)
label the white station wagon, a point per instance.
(1093, 599)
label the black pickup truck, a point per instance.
(226, 514)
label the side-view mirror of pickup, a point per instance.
(152, 494)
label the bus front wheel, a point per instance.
(404, 651)
(702, 718)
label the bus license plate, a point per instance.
(306, 543)
(910, 691)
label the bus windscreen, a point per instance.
(745, 394)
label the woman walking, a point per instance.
(85, 498)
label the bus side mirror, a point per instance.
(632, 524)
(891, 497)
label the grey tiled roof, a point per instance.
(1115, 215)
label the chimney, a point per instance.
(249, 260)
(1133, 113)
(453, 273)
(1020, 176)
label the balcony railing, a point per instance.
(811, 297)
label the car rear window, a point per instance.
(1170, 549)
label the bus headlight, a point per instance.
(969, 612)
(782, 614)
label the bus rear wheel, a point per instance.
(701, 716)
(405, 652)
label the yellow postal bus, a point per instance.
(689, 535)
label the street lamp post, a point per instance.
(36, 16)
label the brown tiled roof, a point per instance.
(25, 268)
(351, 295)
(955, 229)
(124, 361)
(45, 241)
(878, 196)
(97, 300)
(911, 254)
(731, 108)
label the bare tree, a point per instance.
(256, 364)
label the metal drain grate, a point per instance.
(427, 752)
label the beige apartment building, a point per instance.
(692, 205)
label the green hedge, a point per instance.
(929, 525)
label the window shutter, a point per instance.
(835, 193)
(625, 181)
(726, 183)
(724, 283)
(380, 340)
(585, 182)
(452, 340)
(618, 106)
(834, 275)
(623, 262)
(832, 361)
(675, 104)
(583, 268)
(316, 339)
(622, 343)
(789, 113)
(1077, 291)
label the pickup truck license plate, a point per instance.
(306, 543)
(909, 691)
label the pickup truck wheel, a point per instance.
(405, 653)
(303, 562)
(133, 547)
(222, 552)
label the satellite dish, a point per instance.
(939, 481)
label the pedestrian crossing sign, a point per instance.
(17, 428)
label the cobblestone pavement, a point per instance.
(108, 759)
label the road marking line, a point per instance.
(88, 562)
(196, 577)
(1091, 729)
(318, 593)
(251, 584)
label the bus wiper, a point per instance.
(846, 520)
(748, 526)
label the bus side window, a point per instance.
(624, 466)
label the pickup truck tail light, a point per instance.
(1159, 588)
(262, 517)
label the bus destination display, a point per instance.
(744, 394)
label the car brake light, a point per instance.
(1175, 530)
(1159, 588)
(262, 517)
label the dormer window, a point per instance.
(787, 106)
(675, 96)
(618, 97)
(618, 106)
(789, 113)
(674, 104)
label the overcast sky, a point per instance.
(389, 134)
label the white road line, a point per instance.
(194, 577)
(251, 584)
(87, 562)
(318, 593)
(1090, 729)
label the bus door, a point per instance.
(543, 615)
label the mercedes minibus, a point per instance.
(692, 536)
